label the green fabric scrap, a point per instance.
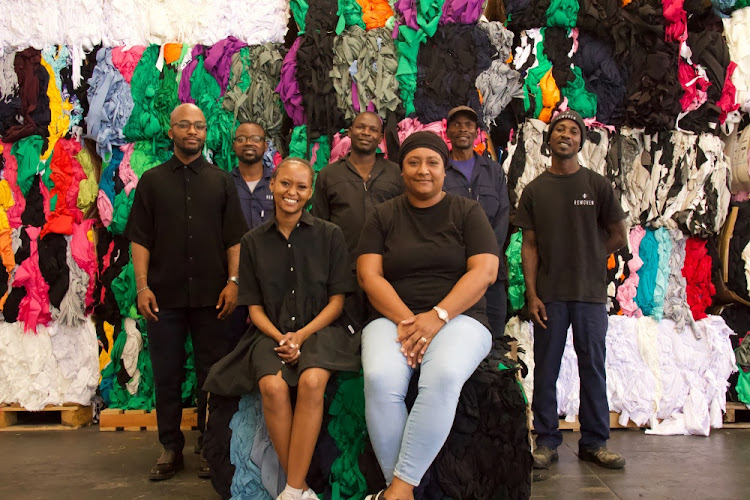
(124, 289)
(516, 283)
(350, 14)
(428, 15)
(120, 211)
(743, 386)
(299, 11)
(407, 46)
(562, 13)
(349, 431)
(533, 77)
(88, 189)
(301, 148)
(154, 97)
(28, 152)
(580, 99)
(145, 158)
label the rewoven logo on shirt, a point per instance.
(583, 201)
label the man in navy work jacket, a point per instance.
(477, 177)
(250, 176)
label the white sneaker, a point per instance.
(286, 495)
(309, 494)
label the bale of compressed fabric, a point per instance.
(487, 454)
(738, 265)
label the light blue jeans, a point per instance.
(407, 443)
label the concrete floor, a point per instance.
(88, 464)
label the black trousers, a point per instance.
(497, 307)
(166, 346)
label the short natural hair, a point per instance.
(294, 159)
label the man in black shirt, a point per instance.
(479, 178)
(347, 191)
(571, 223)
(185, 227)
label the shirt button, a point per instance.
(190, 217)
(292, 292)
(188, 198)
(190, 236)
(297, 224)
(289, 245)
(293, 318)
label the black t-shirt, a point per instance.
(425, 249)
(293, 279)
(570, 215)
(187, 216)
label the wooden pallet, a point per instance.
(575, 426)
(737, 416)
(70, 416)
(113, 419)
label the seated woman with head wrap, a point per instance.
(425, 261)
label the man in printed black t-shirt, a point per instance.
(571, 222)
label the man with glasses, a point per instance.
(185, 227)
(250, 178)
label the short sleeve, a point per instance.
(524, 217)
(140, 226)
(478, 234)
(249, 289)
(234, 224)
(340, 279)
(610, 211)
(372, 237)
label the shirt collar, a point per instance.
(306, 220)
(267, 172)
(194, 165)
(376, 168)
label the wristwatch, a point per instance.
(234, 279)
(442, 314)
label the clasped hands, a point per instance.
(290, 347)
(415, 335)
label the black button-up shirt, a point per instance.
(293, 279)
(341, 195)
(257, 205)
(187, 216)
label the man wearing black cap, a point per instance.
(571, 223)
(479, 178)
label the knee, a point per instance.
(274, 391)
(312, 384)
(444, 386)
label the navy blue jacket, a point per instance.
(488, 187)
(257, 206)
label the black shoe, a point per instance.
(166, 466)
(602, 457)
(544, 456)
(204, 469)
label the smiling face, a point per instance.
(423, 171)
(188, 129)
(291, 186)
(249, 143)
(462, 131)
(366, 133)
(565, 139)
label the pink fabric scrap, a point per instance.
(676, 25)
(34, 307)
(126, 58)
(695, 86)
(83, 253)
(727, 102)
(627, 291)
(105, 208)
(127, 175)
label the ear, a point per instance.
(169, 133)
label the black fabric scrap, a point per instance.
(321, 16)
(525, 14)
(557, 45)
(447, 68)
(597, 17)
(737, 281)
(216, 442)
(314, 64)
(54, 266)
(33, 214)
(604, 77)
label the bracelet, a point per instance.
(142, 289)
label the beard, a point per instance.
(191, 150)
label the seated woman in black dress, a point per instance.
(294, 273)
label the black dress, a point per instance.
(293, 280)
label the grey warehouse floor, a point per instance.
(88, 464)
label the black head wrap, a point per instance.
(423, 139)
